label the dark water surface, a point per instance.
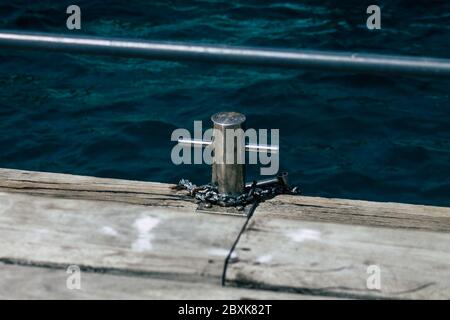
(342, 135)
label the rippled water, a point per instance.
(342, 135)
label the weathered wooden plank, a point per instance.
(19, 282)
(333, 259)
(167, 242)
(300, 244)
(92, 188)
(357, 212)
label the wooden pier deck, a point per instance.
(141, 240)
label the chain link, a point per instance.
(209, 193)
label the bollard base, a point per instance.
(233, 211)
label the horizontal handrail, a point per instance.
(302, 59)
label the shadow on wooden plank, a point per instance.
(19, 282)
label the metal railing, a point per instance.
(301, 59)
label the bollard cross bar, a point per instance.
(228, 177)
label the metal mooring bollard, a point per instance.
(228, 171)
(229, 177)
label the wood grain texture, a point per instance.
(164, 242)
(333, 259)
(19, 282)
(357, 212)
(92, 188)
(148, 231)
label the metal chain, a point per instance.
(258, 191)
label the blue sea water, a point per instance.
(357, 136)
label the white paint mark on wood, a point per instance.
(109, 231)
(144, 227)
(142, 244)
(267, 258)
(146, 224)
(302, 235)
